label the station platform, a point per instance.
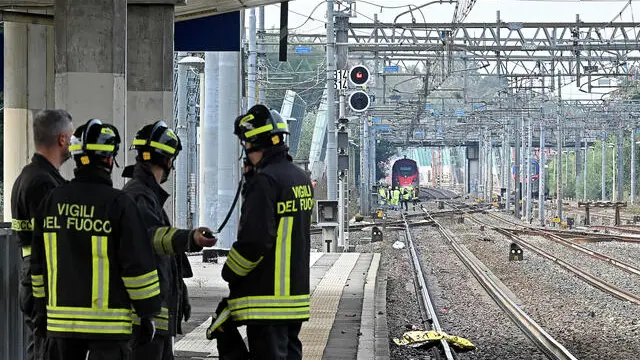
(348, 309)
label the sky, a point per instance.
(302, 17)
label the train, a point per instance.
(405, 174)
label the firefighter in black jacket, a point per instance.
(157, 148)
(268, 266)
(52, 131)
(92, 261)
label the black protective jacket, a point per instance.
(268, 266)
(92, 262)
(33, 184)
(169, 243)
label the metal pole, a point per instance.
(341, 181)
(262, 91)
(518, 179)
(489, 168)
(559, 140)
(192, 145)
(604, 167)
(508, 169)
(364, 171)
(585, 170)
(331, 154)
(620, 178)
(633, 165)
(543, 173)
(182, 168)
(208, 176)
(529, 159)
(251, 83)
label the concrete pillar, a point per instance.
(90, 63)
(149, 67)
(28, 87)
(228, 145)
(149, 75)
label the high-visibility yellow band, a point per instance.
(269, 301)
(144, 292)
(141, 280)
(301, 313)
(26, 251)
(161, 320)
(21, 225)
(95, 147)
(163, 240)
(282, 273)
(156, 145)
(89, 327)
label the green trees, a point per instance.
(573, 186)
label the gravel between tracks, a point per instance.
(588, 322)
(627, 252)
(595, 267)
(465, 307)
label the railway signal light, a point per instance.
(359, 101)
(359, 75)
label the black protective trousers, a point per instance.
(37, 345)
(77, 349)
(274, 342)
(158, 349)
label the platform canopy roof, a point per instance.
(200, 8)
(185, 9)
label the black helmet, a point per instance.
(261, 127)
(94, 140)
(156, 140)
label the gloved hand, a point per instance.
(186, 306)
(203, 236)
(147, 331)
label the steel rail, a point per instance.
(558, 239)
(428, 307)
(545, 342)
(588, 278)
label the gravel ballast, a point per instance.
(588, 322)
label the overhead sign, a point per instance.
(459, 112)
(382, 127)
(391, 69)
(376, 119)
(427, 106)
(303, 49)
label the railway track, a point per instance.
(545, 342)
(426, 304)
(588, 278)
(614, 262)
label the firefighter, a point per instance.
(406, 196)
(157, 148)
(268, 266)
(52, 131)
(92, 262)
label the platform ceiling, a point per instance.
(191, 10)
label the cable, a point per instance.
(309, 17)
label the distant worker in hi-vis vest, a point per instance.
(92, 260)
(52, 132)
